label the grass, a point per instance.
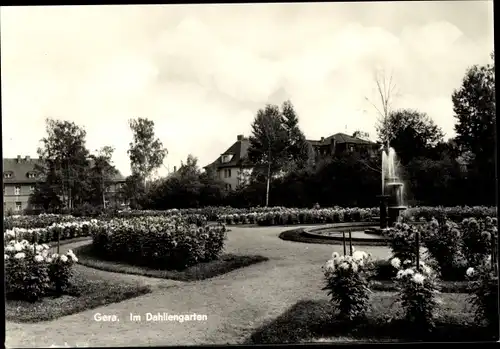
(89, 290)
(297, 235)
(316, 321)
(201, 271)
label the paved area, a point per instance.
(235, 303)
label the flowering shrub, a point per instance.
(483, 288)
(443, 243)
(30, 271)
(456, 213)
(402, 241)
(476, 238)
(166, 242)
(30, 222)
(347, 283)
(417, 293)
(66, 230)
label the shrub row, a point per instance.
(61, 231)
(30, 222)
(165, 242)
(456, 213)
(31, 271)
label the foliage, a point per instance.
(101, 175)
(54, 232)
(483, 288)
(347, 283)
(476, 238)
(402, 241)
(417, 291)
(31, 271)
(443, 243)
(133, 191)
(411, 133)
(164, 242)
(146, 152)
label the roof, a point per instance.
(239, 150)
(20, 169)
(341, 138)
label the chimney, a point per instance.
(175, 169)
(239, 137)
(18, 158)
(28, 159)
(322, 139)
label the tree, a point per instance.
(268, 143)
(102, 174)
(298, 151)
(411, 133)
(133, 191)
(146, 152)
(474, 106)
(64, 156)
(45, 194)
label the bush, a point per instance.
(476, 238)
(443, 243)
(417, 290)
(31, 222)
(402, 241)
(483, 288)
(164, 242)
(347, 283)
(30, 272)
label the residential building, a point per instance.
(20, 178)
(231, 166)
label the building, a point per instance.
(20, 177)
(231, 166)
(341, 142)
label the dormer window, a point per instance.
(32, 175)
(8, 174)
(226, 158)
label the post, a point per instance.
(343, 242)
(417, 247)
(350, 242)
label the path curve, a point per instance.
(235, 303)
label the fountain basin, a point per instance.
(358, 234)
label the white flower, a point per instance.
(418, 278)
(407, 261)
(45, 246)
(19, 255)
(5, 257)
(426, 269)
(18, 247)
(64, 258)
(470, 272)
(73, 257)
(400, 274)
(354, 267)
(38, 258)
(55, 255)
(335, 255)
(39, 247)
(330, 266)
(359, 255)
(49, 260)
(344, 265)
(9, 248)
(396, 263)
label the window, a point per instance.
(32, 188)
(226, 158)
(7, 175)
(228, 186)
(18, 206)
(227, 173)
(108, 189)
(17, 190)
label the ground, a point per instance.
(235, 303)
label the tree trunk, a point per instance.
(268, 179)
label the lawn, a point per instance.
(315, 321)
(90, 290)
(201, 271)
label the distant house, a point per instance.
(340, 143)
(20, 178)
(231, 166)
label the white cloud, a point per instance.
(201, 72)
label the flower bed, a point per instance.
(456, 213)
(31, 272)
(164, 242)
(40, 221)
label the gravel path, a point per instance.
(235, 303)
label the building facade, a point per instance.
(232, 166)
(20, 178)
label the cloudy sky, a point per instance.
(202, 71)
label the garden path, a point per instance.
(235, 303)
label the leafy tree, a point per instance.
(268, 144)
(474, 105)
(298, 150)
(102, 174)
(133, 191)
(411, 133)
(65, 157)
(146, 152)
(45, 194)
